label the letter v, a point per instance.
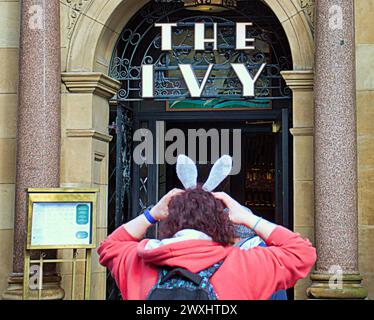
(192, 82)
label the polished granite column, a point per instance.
(38, 126)
(335, 144)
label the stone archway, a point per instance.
(91, 33)
(96, 30)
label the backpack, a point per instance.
(181, 284)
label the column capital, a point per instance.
(299, 80)
(88, 133)
(91, 82)
(302, 132)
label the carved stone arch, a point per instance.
(96, 30)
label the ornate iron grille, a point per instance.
(141, 44)
(119, 182)
(143, 178)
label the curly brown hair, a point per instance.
(200, 210)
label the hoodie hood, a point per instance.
(182, 235)
(194, 254)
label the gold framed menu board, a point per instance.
(61, 218)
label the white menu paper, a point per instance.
(65, 223)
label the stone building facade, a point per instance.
(56, 82)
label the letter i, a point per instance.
(147, 81)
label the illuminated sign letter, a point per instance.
(192, 82)
(147, 81)
(166, 35)
(241, 36)
(200, 39)
(246, 79)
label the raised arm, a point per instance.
(139, 226)
(244, 216)
(122, 244)
(287, 258)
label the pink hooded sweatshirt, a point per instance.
(253, 274)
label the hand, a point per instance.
(237, 212)
(160, 210)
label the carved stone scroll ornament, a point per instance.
(309, 8)
(76, 7)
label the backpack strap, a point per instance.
(211, 270)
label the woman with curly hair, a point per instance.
(197, 231)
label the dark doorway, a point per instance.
(255, 185)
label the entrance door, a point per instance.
(262, 183)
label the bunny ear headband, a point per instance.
(187, 172)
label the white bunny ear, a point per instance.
(187, 171)
(221, 169)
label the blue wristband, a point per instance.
(258, 221)
(149, 217)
